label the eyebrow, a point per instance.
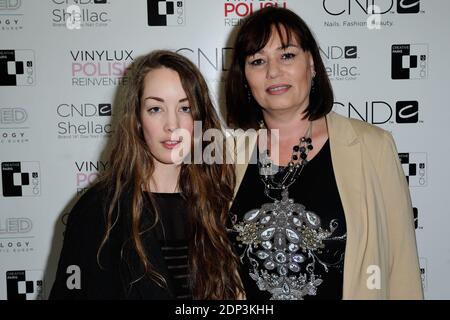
(162, 100)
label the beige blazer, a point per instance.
(381, 260)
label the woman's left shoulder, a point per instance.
(364, 131)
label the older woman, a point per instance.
(329, 216)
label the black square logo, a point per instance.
(351, 52)
(16, 68)
(104, 109)
(165, 12)
(408, 6)
(414, 165)
(409, 61)
(24, 285)
(21, 179)
(407, 111)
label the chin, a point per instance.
(170, 157)
(176, 160)
(279, 107)
(167, 161)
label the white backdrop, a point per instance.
(60, 87)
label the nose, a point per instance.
(171, 121)
(273, 69)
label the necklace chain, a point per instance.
(291, 172)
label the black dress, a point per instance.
(120, 273)
(291, 250)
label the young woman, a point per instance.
(153, 226)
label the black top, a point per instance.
(291, 250)
(171, 233)
(120, 274)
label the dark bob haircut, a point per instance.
(256, 30)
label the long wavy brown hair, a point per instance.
(208, 188)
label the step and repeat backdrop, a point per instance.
(61, 67)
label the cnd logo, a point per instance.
(370, 7)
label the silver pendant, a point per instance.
(281, 239)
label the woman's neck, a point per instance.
(291, 127)
(165, 178)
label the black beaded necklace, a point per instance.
(291, 172)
